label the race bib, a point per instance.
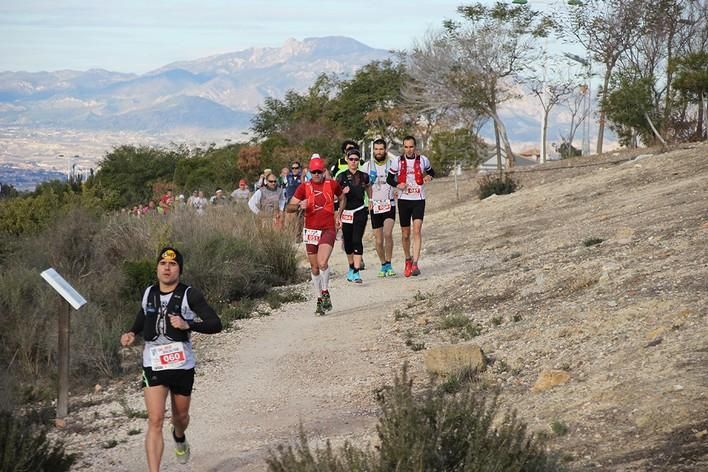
(311, 236)
(412, 190)
(348, 216)
(167, 356)
(381, 206)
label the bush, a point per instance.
(496, 185)
(110, 261)
(24, 447)
(429, 433)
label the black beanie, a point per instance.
(171, 253)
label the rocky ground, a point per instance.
(586, 289)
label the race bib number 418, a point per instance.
(383, 206)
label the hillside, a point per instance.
(621, 322)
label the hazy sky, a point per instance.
(141, 35)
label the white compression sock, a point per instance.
(325, 278)
(317, 285)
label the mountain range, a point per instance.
(216, 92)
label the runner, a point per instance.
(410, 174)
(316, 198)
(383, 206)
(170, 311)
(353, 212)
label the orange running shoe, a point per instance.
(408, 269)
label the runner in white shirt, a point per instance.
(409, 175)
(382, 205)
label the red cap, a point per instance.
(316, 164)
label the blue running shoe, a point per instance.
(357, 278)
(382, 272)
(389, 271)
(350, 275)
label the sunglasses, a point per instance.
(315, 172)
(352, 159)
(294, 167)
(272, 181)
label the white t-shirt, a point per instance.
(380, 190)
(413, 191)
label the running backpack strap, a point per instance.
(402, 170)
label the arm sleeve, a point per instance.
(252, 202)
(428, 167)
(139, 323)
(211, 323)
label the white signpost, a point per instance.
(76, 301)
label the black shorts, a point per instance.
(179, 381)
(410, 209)
(377, 220)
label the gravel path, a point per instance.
(257, 384)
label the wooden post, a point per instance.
(63, 354)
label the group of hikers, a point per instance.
(342, 197)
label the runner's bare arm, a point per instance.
(293, 205)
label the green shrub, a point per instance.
(587, 242)
(110, 260)
(24, 447)
(429, 432)
(138, 274)
(496, 185)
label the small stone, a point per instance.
(97, 388)
(678, 388)
(549, 379)
(702, 434)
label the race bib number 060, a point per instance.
(168, 356)
(311, 236)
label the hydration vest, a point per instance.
(157, 321)
(326, 191)
(403, 170)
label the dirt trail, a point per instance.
(598, 271)
(256, 385)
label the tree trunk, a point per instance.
(544, 135)
(701, 107)
(500, 166)
(656, 133)
(601, 123)
(503, 137)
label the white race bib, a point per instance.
(381, 206)
(311, 236)
(412, 190)
(167, 356)
(348, 216)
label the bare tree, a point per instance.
(607, 29)
(575, 104)
(549, 94)
(471, 65)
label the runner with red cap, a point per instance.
(316, 198)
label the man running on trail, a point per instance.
(170, 311)
(353, 212)
(409, 174)
(383, 206)
(316, 198)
